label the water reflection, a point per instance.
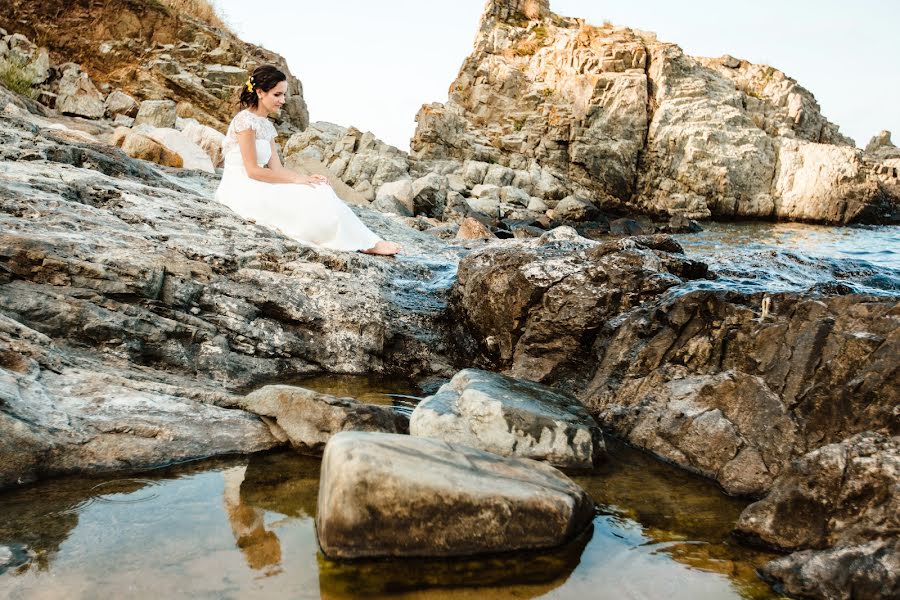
(243, 528)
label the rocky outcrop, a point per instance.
(308, 419)
(133, 274)
(614, 116)
(145, 50)
(385, 495)
(510, 417)
(838, 507)
(768, 388)
(535, 307)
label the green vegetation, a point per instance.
(16, 76)
(546, 92)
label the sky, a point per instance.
(373, 64)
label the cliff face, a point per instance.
(630, 122)
(151, 52)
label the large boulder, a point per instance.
(192, 155)
(77, 95)
(156, 113)
(510, 417)
(309, 419)
(209, 139)
(383, 495)
(141, 146)
(120, 103)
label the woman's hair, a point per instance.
(263, 78)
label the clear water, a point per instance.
(778, 257)
(243, 528)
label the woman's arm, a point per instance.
(275, 165)
(247, 143)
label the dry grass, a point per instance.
(16, 76)
(202, 10)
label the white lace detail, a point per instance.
(244, 120)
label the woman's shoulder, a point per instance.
(247, 120)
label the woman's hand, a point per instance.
(312, 180)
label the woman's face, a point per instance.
(273, 100)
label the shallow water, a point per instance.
(778, 257)
(243, 528)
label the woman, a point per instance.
(256, 186)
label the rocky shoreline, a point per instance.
(134, 310)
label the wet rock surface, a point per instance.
(308, 419)
(510, 417)
(385, 495)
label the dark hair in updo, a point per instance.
(264, 78)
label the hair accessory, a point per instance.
(250, 83)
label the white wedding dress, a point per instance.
(311, 215)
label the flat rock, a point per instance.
(385, 495)
(309, 419)
(510, 417)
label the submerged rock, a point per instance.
(386, 495)
(510, 417)
(308, 419)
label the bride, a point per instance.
(256, 185)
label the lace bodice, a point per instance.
(264, 132)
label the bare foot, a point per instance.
(384, 248)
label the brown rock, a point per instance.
(471, 229)
(385, 495)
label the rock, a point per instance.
(430, 195)
(156, 113)
(80, 420)
(309, 419)
(226, 75)
(571, 208)
(76, 94)
(123, 121)
(207, 138)
(514, 195)
(681, 371)
(837, 495)
(558, 291)
(120, 103)
(486, 191)
(867, 572)
(384, 495)
(627, 227)
(537, 205)
(134, 291)
(510, 417)
(140, 146)
(681, 224)
(614, 115)
(471, 229)
(487, 206)
(192, 155)
(396, 197)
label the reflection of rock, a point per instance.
(510, 417)
(308, 419)
(282, 482)
(259, 546)
(390, 495)
(501, 577)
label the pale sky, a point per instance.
(373, 64)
